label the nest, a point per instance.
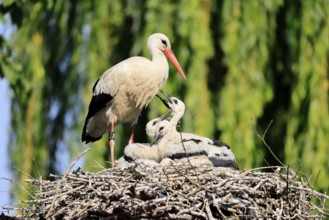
(175, 192)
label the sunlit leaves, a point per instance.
(307, 134)
(247, 62)
(248, 35)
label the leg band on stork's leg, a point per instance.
(111, 135)
(112, 143)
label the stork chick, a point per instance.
(177, 145)
(138, 151)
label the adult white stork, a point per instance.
(121, 93)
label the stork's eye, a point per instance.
(175, 101)
(164, 42)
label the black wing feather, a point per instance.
(219, 162)
(220, 144)
(97, 103)
(187, 154)
(94, 87)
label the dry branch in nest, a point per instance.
(175, 192)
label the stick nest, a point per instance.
(175, 192)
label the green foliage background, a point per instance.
(247, 62)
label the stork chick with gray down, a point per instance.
(177, 145)
(143, 151)
(124, 163)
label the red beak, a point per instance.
(171, 56)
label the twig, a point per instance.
(75, 161)
(287, 189)
(269, 125)
(19, 185)
(188, 159)
(262, 137)
(316, 179)
(208, 211)
(163, 192)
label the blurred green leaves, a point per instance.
(247, 62)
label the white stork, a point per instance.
(179, 145)
(152, 126)
(175, 145)
(121, 93)
(138, 151)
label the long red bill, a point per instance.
(171, 56)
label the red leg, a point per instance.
(112, 143)
(132, 132)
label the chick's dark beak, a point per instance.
(165, 102)
(166, 94)
(164, 115)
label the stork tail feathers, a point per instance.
(85, 138)
(98, 102)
